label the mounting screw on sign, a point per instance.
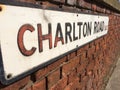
(9, 76)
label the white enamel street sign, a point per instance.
(33, 37)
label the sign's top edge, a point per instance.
(32, 5)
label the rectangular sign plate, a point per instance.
(31, 38)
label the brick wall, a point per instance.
(84, 69)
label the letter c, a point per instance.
(20, 41)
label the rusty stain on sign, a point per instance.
(45, 16)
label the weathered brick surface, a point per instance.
(85, 68)
(60, 1)
(70, 66)
(61, 84)
(28, 1)
(84, 4)
(73, 85)
(53, 78)
(71, 2)
(43, 72)
(39, 85)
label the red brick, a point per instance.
(89, 84)
(97, 47)
(84, 4)
(29, 88)
(40, 85)
(27, 1)
(81, 68)
(90, 73)
(84, 88)
(82, 75)
(94, 7)
(69, 87)
(90, 66)
(99, 9)
(53, 78)
(73, 85)
(71, 2)
(83, 55)
(72, 76)
(56, 64)
(60, 1)
(97, 41)
(60, 85)
(40, 73)
(70, 65)
(91, 51)
(82, 49)
(72, 55)
(48, 4)
(102, 43)
(91, 88)
(104, 46)
(84, 62)
(85, 79)
(17, 85)
(108, 61)
(94, 86)
(107, 11)
(91, 44)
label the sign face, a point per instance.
(31, 38)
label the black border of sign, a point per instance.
(2, 73)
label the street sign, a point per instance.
(31, 38)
